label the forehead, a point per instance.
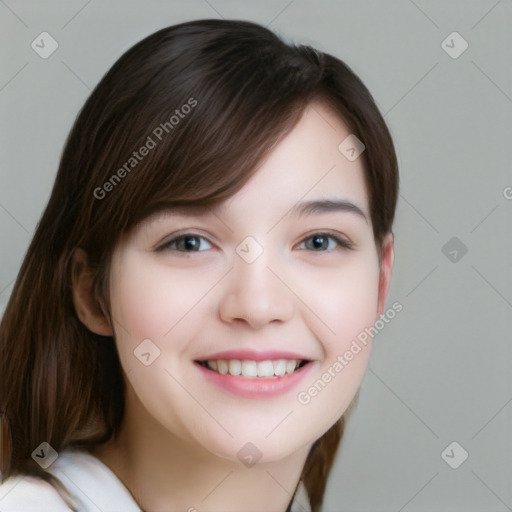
(305, 174)
(307, 165)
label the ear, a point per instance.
(386, 267)
(88, 310)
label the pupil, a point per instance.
(318, 241)
(190, 242)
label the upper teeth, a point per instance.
(254, 368)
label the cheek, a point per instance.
(347, 310)
(344, 299)
(344, 306)
(153, 301)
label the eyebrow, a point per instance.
(307, 208)
(303, 209)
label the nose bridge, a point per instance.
(253, 293)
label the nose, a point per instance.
(256, 295)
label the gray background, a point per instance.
(440, 371)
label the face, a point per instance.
(254, 285)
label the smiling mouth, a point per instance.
(254, 369)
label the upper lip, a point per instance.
(254, 355)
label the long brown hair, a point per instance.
(215, 97)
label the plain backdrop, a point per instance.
(439, 387)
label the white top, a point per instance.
(92, 485)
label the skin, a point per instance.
(178, 445)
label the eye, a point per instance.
(320, 242)
(187, 242)
(190, 242)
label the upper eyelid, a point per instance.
(177, 236)
(180, 234)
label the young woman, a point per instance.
(183, 333)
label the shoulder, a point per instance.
(30, 494)
(91, 485)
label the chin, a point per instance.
(252, 448)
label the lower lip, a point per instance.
(256, 387)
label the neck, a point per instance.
(166, 473)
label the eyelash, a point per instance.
(342, 243)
